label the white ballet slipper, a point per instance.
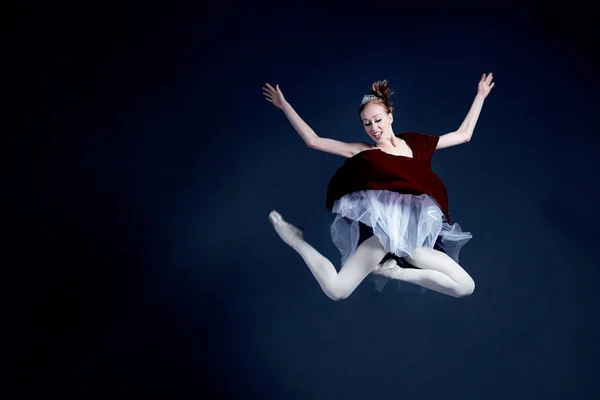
(289, 233)
(389, 269)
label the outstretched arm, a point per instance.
(275, 96)
(465, 131)
(312, 140)
(308, 135)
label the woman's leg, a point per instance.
(336, 285)
(435, 271)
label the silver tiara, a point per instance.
(367, 98)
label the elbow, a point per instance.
(311, 143)
(462, 136)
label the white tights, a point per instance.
(436, 270)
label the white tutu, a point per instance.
(401, 222)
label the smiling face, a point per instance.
(377, 122)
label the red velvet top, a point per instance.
(378, 170)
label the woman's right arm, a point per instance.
(307, 134)
(316, 142)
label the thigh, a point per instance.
(364, 260)
(404, 262)
(428, 258)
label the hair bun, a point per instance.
(383, 93)
(382, 90)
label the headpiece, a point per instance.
(368, 97)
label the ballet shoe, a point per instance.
(386, 263)
(289, 233)
(389, 269)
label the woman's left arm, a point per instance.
(465, 131)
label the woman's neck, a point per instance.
(392, 142)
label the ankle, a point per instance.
(297, 239)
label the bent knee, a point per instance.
(338, 293)
(465, 288)
(338, 297)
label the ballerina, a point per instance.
(391, 211)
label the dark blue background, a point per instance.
(147, 160)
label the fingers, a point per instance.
(269, 93)
(272, 95)
(487, 78)
(272, 89)
(269, 89)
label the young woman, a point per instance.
(391, 210)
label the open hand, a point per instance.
(485, 85)
(274, 96)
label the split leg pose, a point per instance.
(435, 270)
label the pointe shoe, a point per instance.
(289, 233)
(400, 261)
(386, 264)
(389, 269)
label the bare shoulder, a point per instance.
(339, 148)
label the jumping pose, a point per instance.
(391, 210)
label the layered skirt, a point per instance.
(401, 222)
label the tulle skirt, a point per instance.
(401, 222)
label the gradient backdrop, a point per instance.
(147, 162)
